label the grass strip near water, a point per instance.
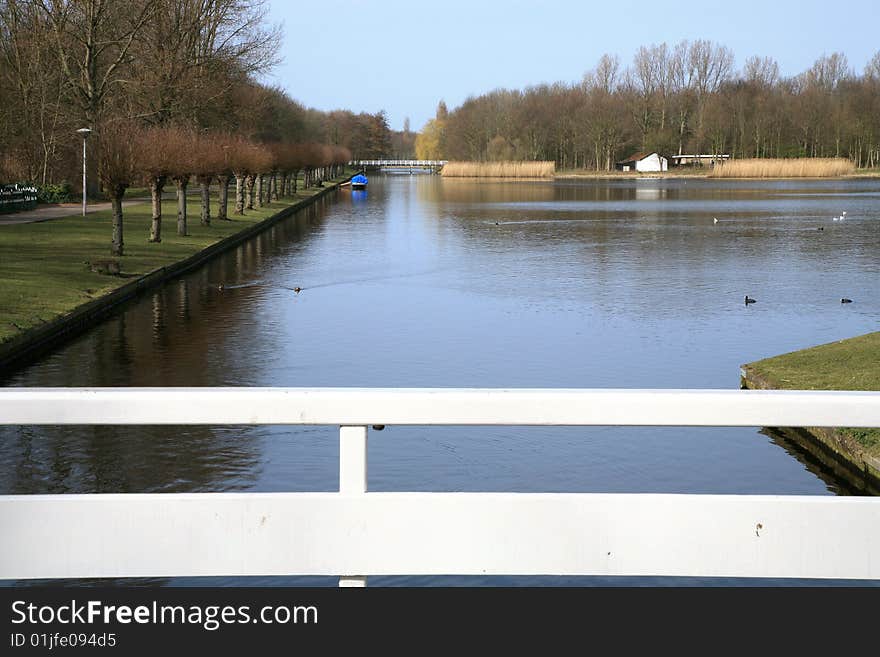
(44, 267)
(852, 364)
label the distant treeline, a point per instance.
(189, 64)
(686, 98)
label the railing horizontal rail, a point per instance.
(438, 406)
(353, 533)
(401, 162)
(237, 534)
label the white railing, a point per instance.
(399, 163)
(353, 533)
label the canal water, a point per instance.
(422, 281)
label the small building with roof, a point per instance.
(644, 162)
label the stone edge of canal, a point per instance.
(833, 447)
(30, 345)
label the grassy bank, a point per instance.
(852, 364)
(44, 271)
(498, 170)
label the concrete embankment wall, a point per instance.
(838, 451)
(30, 344)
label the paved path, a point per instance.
(61, 210)
(58, 211)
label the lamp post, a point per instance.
(84, 133)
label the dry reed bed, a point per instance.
(804, 167)
(499, 169)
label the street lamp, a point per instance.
(84, 133)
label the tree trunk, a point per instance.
(223, 197)
(116, 200)
(239, 193)
(182, 184)
(259, 190)
(273, 187)
(249, 192)
(156, 185)
(205, 219)
(293, 176)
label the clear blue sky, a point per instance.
(404, 57)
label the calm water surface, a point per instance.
(429, 282)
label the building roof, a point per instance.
(635, 157)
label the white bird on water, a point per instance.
(715, 220)
(841, 217)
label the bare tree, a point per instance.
(606, 131)
(642, 82)
(93, 41)
(117, 168)
(32, 91)
(683, 77)
(192, 52)
(182, 152)
(226, 143)
(209, 162)
(606, 75)
(828, 72)
(156, 149)
(710, 65)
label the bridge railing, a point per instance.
(353, 533)
(398, 163)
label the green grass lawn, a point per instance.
(43, 266)
(852, 364)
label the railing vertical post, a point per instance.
(353, 477)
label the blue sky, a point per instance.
(404, 57)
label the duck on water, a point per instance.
(750, 300)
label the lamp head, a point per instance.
(84, 132)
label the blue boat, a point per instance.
(359, 182)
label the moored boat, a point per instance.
(359, 182)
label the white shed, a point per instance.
(644, 162)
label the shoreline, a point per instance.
(853, 455)
(674, 175)
(35, 341)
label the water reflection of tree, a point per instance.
(471, 191)
(114, 459)
(186, 333)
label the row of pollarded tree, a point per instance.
(162, 155)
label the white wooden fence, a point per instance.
(354, 533)
(414, 164)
